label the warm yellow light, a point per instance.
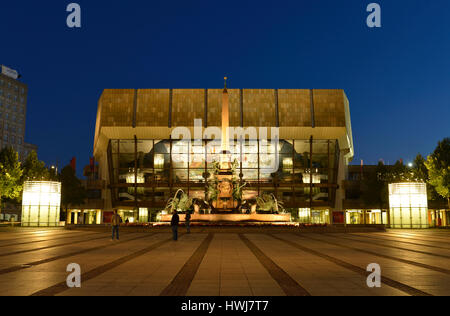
(408, 204)
(304, 215)
(159, 161)
(287, 163)
(131, 177)
(41, 202)
(143, 215)
(307, 177)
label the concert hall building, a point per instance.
(134, 146)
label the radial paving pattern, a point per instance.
(224, 262)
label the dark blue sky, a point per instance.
(397, 78)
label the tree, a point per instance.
(10, 174)
(72, 191)
(33, 169)
(420, 174)
(438, 165)
(399, 173)
(419, 170)
(375, 187)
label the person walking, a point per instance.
(174, 223)
(115, 223)
(188, 222)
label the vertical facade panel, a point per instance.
(329, 108)
(187, 105)
(259, 108)
(294, 107)
(152, 107)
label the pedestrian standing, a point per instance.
(174, 223)
(115, 223)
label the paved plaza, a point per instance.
(225, 262)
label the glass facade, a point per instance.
(83, 217)
(146, 173)
(368, 217)
(408, 205)
(439, 218)
(128, 215)
(41, 203)
(308, 216)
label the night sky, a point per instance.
(397, 78)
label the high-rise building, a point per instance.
(13, 109)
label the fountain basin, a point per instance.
(265, 218)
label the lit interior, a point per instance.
(131, 177)
(41, 203)
(408, 205)
(307, 177)
(143, 215)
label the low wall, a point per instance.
(269, 218)
(230, 227)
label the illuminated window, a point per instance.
(354, 217)
(143, 215)
(127, 215)
(287, 164)
(304, 215)
(307, 177)
(159, 161)
(131, 177)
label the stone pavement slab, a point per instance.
(236, 261)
